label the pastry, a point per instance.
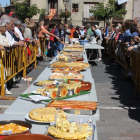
(84, 105)
(77, 90)
(69, 76)
(79, 64)
(67, 69)
(43, 114)
(53, 95)
(63, 92)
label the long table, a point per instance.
(21, 107)
(93, 47)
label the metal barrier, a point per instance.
(14, 62)
(117, 50)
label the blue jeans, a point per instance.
(58, 47)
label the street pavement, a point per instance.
(120, 113)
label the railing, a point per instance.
(87, 16)
(57, 15)
(117, 50)
(13, 62)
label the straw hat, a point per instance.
(30, 24)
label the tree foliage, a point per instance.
(102, 13)
(23, 10)
(42, 14)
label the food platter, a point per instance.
(89, 138)
(70, 76)
(74, 64)
(69, 52)
(69, 108)
(74, 130)
(35, 121)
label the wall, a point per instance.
(129, 8)
(42, 4)
(77, 17)
(136, 8)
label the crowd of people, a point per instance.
(15, 33)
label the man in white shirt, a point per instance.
(9, 23)
(17, 24)
(4, 44)
(82, 32)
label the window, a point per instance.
(87, 7)
(75, 8)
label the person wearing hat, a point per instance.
(98, 36)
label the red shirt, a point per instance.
(51, 37)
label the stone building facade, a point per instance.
(80, 10)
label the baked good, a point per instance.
(15, 128)
(69, 76)
(40, 83)
(83, 105)
(45, 114)
(67, 69)
(56, 69)
(63, 92)
(79, 64)
(77, 90)
(53, 95)
(85, 85)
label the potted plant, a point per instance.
(67, 14)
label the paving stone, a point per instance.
(120, 138)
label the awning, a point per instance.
(121, 1)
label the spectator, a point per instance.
(89, 30)
(4, 45)
(17, 24)
(46, 26)
(98, 39)
(59, 32)
(118, 32)
(134, 30)
(22, 29)
(82, 32)
(52, 42)
(67, 33)
(72, 30)
(9, 23)
(77, 33)
(107, 29)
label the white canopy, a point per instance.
(121, 1)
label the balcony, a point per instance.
(87, 16)
(56, 16)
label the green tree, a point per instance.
(42, 14)
(23, 10)
(102, 13)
